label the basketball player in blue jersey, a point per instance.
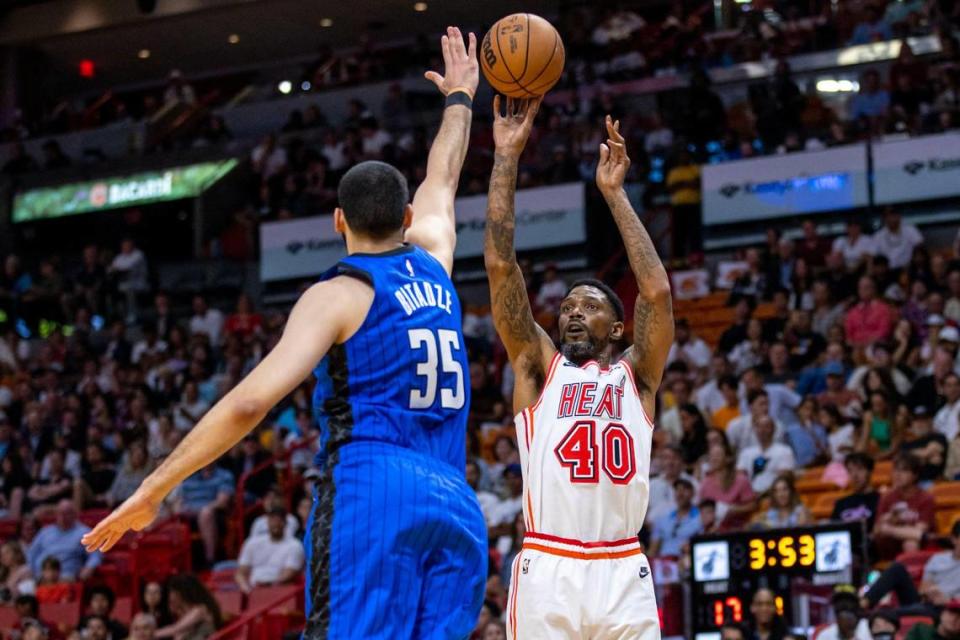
(397, 544)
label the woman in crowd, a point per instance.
(840, 433)
(880, 433)
(767, 625)
(752, 351)
(195, 611)
(715, 437)
(15, 576)
(728, 486)
(785, 509)
(693, 441)
(153, 600)
(134, 469)
(14, 485)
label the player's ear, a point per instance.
(407, 216)
(339, 221)
(616, 331)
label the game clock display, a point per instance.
(727, 569)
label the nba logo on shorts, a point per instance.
(526, 565)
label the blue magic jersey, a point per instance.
(402, 377)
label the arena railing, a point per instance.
(268, 621)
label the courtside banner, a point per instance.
(301, 248)
(546, 217)
(121, 191)
(784, 185)
(917, 168)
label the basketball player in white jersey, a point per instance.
(583, 418)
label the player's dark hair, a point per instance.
(611, 295)
(859, 459)
(373, 196)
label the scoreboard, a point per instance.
(728, 568)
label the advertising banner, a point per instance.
(917, 168)
(546, 217)
(120, 191)
(783, 185)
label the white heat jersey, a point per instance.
(585, 452)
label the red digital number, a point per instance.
(578, 453)
(720, 607)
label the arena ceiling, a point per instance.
(192, 35)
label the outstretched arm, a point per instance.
(313, 327)
(528, 346)
(653, 310)
(434, 227)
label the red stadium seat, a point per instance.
(123, 610)
(63, 614)
(915, 561)
(231, 603)
(8, 617)
(264, 595)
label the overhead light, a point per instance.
(420, 6)
(837, 86)
(233, 38)
(143, 54)
(326, 22)
(285, 87)
(305, 85)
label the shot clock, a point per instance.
(727, 569)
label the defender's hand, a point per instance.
(460, 67)
(614, 162)
(136, 513)
(511, 131)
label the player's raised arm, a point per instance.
(314, 325)
(433, 226)
(653, 310)
(528, 346)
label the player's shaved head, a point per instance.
(373, 196)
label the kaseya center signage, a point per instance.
(917, 168)
(120, 191)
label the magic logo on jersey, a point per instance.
(587, 399)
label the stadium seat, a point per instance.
(231, 603)
(63, 614)
(915, 561)
(946, 494)
(8, 617)
(123, 610)
(945, 520)
(262, 596)
(824, 502)
(908, 622)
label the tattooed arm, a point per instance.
(433, 226)
(528, 346)
(653, 310)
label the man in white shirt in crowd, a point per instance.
(896, 240)
(662, 499)
(855, 247)
(149, 345)
(689, 348)
(741, 431)
(709, 398)
(268, 158)
(271, 559)
(206, 320)
(767, 459)
(273, 501)
(373, 139)
(945, 421)
(129, 268)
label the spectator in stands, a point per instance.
(863, 500)
(100, 600)
(812, 248)
(672, 531)
(250, 457)
(855, 247)
(204, 496)
(849, 624)
(873, 28)
(15, 480)
(807, 437)
(751, 352)
(272, 559)
(884, 624)
(47, 493)
(730, 411)
(947, 625)
(178, 90)
(97, 476)
(51, 587)
(488, 501)
(134, 468)
(693, 440)
(880, 431)
(929, 446)
(194, 608)
(130, 276)
(680, 391)
(786, 510)
(764, 461)
(947, 419)
(62, 541)
(272, 501)
(870, 320)
(683, 184)
(244, 321)
(737, 332)
(153, 601)
(896, 239)
(143, 627)
(689, 348)
(767, 624)
(733, 631)
(552, 290)
(190, 409)
(741, 431)
(728, 486)
(15, 574)
(206, 320)
(662, 498)
(870, 105)
(906, 512)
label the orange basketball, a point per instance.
(522, 56)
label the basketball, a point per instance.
(522, 56)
